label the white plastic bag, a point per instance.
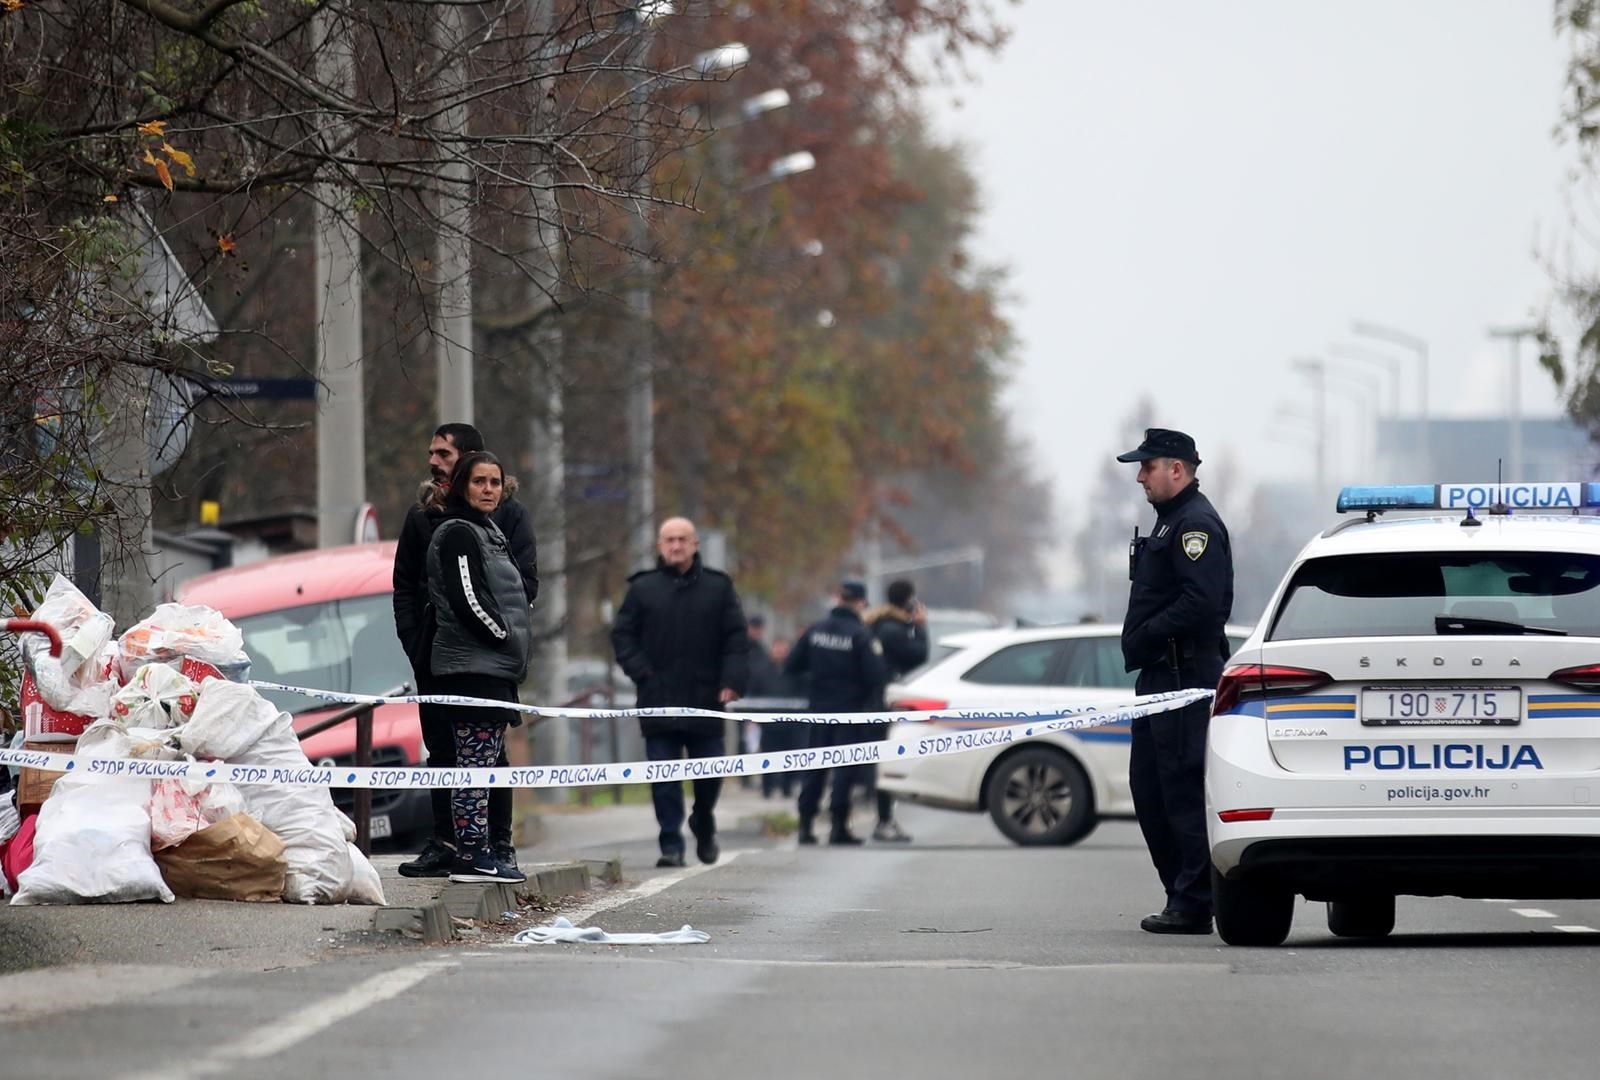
(182, 807)
(92, 842)
(157, 696)
(84, 629)
(174, 631)
(229, 718)
(365, 885)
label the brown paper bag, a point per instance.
(238, 858)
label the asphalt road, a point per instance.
(958, 956)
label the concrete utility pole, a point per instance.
(641, 366)
(1514, 335)
(1317, 371)
(1419, 349)
(453, 334)
(341, 411)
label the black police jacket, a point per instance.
(681, 638)
(845, 663)
(1181, 596)
(905, 644)
(412, 623)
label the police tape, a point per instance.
(902, 748)
(552, 712)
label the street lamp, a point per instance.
(1419, 349)
(1514, 335)
(1314, 369)
(800, 161)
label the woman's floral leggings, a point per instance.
(478, 745)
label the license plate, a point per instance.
(381, 829)
(1441, 706)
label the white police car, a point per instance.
(1417, 712)
(1050, 789)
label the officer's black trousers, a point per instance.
(823, 736)
(1166, 771)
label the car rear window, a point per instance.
(1400, 595)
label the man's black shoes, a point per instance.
(436, 860)
(1169, 921)
(670, 858)
(839, 838)
(706, 848)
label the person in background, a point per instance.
(680, 636)
(481, 644)
(901, 628)
(845, 663)
(783, 735)
(414, 624)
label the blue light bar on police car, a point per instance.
(1381, 497)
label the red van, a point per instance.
(324, 620)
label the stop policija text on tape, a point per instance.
(936, 743)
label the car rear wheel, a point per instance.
(1251, 912)
(1039, 795)
(1367, 916)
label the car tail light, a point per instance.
(918, 704)
(1258, 814)
(1257, 680)
(1584, 676)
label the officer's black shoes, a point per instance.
(1176, 922)
(705, 847)
(504, 852)
(806, 836)
(843, 839)
(435, 860)
(890, 832)
(670, 858)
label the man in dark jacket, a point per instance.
(680, 636)
(845, 663)
(413, 622)
(1182, 593)
(901, 627)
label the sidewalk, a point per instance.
(567, 858)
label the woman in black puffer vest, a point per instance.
(481, 646)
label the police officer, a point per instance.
(1182, 592)
(847, 672)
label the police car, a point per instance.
(1417, 712)
(1051, 789)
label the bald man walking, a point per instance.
(680, 636)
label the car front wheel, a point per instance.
(1251, 912)
(1039, 795)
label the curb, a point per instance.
(432, 922)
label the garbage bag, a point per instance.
(16, 854)
(366, 887)
(229, 718)
(92, 845)
(320, 869)
(237, 858)
(85, 631)
(182, 807)
(175, 631)
(158, 696)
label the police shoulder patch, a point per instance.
(1194, 544)
(877, 646)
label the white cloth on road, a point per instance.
(562, 930)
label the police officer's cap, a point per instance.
(1162, 443)
(852, 590)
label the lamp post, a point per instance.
(1514, 335)
(1419, 349)
(1314, 369)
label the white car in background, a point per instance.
(1051, 789)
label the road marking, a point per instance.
(644, 890)
(1533, 913)
(1578, 930)
(279, 1035)
(1487, 900)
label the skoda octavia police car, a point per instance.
(1417, 712)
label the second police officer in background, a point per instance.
(845, 663)
(901, 627)
(1181, 596)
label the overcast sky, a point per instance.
(1190, 194)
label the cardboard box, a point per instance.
(33, 785)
